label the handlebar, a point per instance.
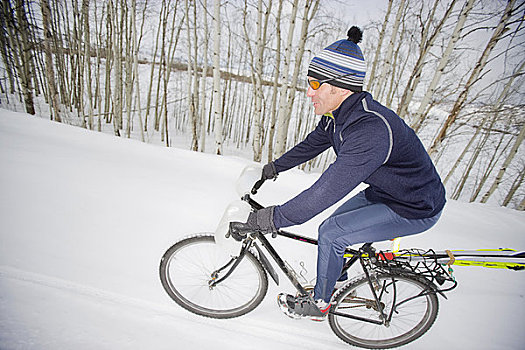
(257, 185)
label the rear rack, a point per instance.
(417, 263)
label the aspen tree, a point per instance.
(427, 41)
(217, 111)
(273, 108)
(377, 54)
(50, 72)
(117, 96)
(512, 153)
(518, 181)
(87, 60)
(24, 53)
(162, 68)
(60, 60)
(152, 71)
(204, 78)
(190, 97)
(257, 57)
(493, 160)
(474, 77)
(77, 58)
(310, 9)
(5, 46)
(109, 60)
(282, 122)
(443, 62)
(136, 79)
(521, 206)
(387, 64)
(195, 115)
(498, 106)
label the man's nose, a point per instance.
(310, 92)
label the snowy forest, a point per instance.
(229, 77)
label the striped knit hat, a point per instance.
(340, 58)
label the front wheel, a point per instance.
(189, 268)
(411, 304)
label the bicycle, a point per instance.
(392, 303)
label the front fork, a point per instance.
(234, 262)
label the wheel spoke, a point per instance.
(409, 320)
(186, 272)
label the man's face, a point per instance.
(327, 98)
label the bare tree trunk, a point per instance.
(24, 45)
(480, 65)
(282, 118)
(5, 46)
(377, 54)
(258, 94)
(426, 44)
(60, 61)
(136, 65)
(166, 71)
(109, 62)
(87, 61)
(515, 185)
(256, 64)
(204, 78)
(77, 59)
(521, 206)
(217, 111)
(491, 165)
(192, 107)
(310, 9)
(273, 107)
(128, 69)
(152, 71)
(387, 64)
(505, 165)
(397, 69)
(50, 73)
(116, 53)
(473, 158)
(162, 68)
(443, 62)
(464, 152)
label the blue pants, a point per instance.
(357, 221)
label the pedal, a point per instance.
(283, 305)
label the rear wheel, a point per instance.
(413, 310)
(189, 267)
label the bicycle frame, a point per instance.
(354, 257)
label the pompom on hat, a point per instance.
(342, 60)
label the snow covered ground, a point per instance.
(85, 218)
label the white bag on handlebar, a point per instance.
(236, 211)
(249, 175)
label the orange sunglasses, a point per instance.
(316, 84)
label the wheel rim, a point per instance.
(189, 271)
(412, 318)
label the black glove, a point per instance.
(269, 172)
(259, 220)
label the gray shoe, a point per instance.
(303, 307)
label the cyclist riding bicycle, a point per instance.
(373, 145)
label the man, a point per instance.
(373, 145)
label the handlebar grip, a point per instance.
(257, 185)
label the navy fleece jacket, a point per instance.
(373, 145)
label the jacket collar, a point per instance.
(341, 114)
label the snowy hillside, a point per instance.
(85, 218)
